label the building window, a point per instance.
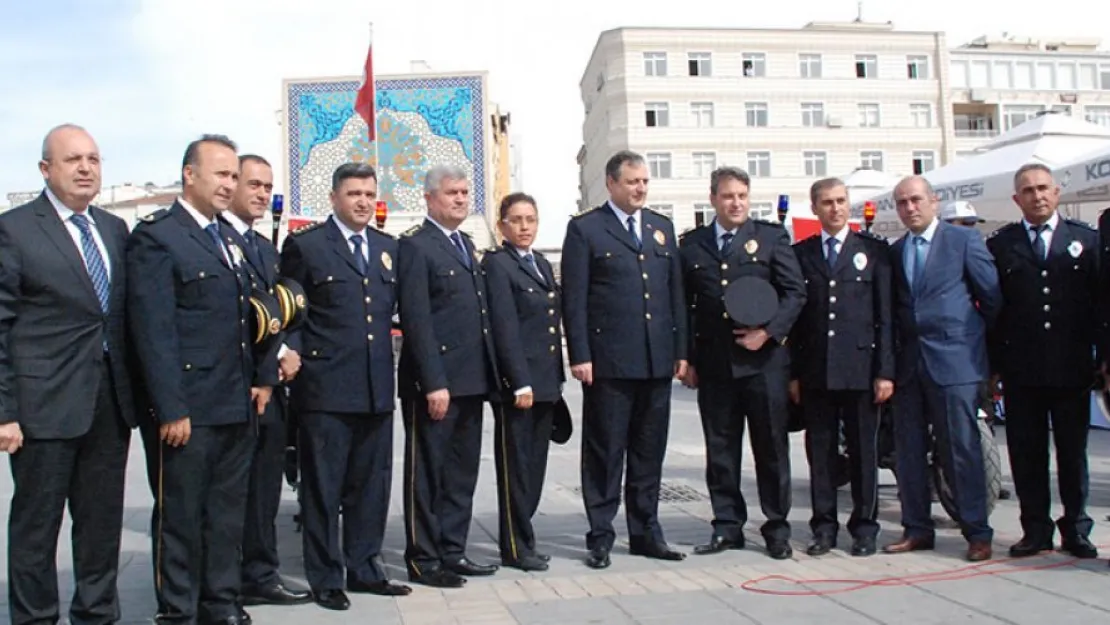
(700, 63)
(655, 64)
(917, 67)
(666, 209)
(816, 164)
(923, 161)
(813, 114)
(869, 115)
(703, 214)
(763, 211)
(759, 164)
(1104, 77)
(1088, 76)
(867, 66)
(755, 64)
(871, 159)
(657, 114)
(1097, 115)
(1013, 116)
(921, 115)
(659, 164)
(809, 65)
(704, 164)
(756, 114)
(702, 112)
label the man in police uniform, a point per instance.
(1042, 346)
(344, 393)
(446, 373)
(262, 583)
(524, 311)
(741, 373)
(189, 316)
(842, 362)
(626, 332)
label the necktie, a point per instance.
(726, 243)
(457, 240)
(833, 255)
(1038, 241)
(252, 247)
(918, 260)
(213, 231)
(360, 259)
(632, 231)
(531, 260)
(94, 262)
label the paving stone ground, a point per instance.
(729, 588)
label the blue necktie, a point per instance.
(457, 240)
(1038, 242)
(360, 259)
(918, 260)
(531, 260)
(833, 254)
(726, 242)
(632, 231)
(94, 262)
(252, 248)
(213, 231)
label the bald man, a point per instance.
(66, 410)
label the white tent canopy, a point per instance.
(1087, 178)
(986, 179)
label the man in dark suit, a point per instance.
(188, 309)
(1043, 346)
(344, 393)
(741, 373)
(842, 362)
(527, 332)
(946, 294)
(66, 409)
(625, 320)
(446, 373)
(262, 583)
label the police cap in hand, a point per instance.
(266, 320)
(561, 425)
(751, 302)
(293, 302)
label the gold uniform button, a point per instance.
(647, 316)
(479, 293)
(367, 300)
(832, 316)
(724, 282)
(240, 299)
(832, 299)
(442, 348)
(724, 315)
(1047, 308)
(369, 337)
(550, 312)
(369, 318)
(551, 348)
(315, 353)
(330, 278)
(1045, 290)
(243, 345)
(485, 331)
(551, 330)
(551, 296)
(483, 311)
(724, 266)
(832, 283)
(201, 274)
(365, 281)
(641, 257)
(647, 295)
(832, 332)
(1048, 325)
(645, 276)
(1044, 273)
(451, 272)
(188, 367)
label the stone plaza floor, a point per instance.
(734, 587)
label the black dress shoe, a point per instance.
(439, 578)
(656, 551)
(382, 587)
(245, 618)
(462, 565)
(1027, 547)
(274, 594)
(543, 556)
(332, 599)
(863, 546)
(1080, 547)
(717, 544)
(819, 547)
(598, 558)
(526, 563)
(779, 549)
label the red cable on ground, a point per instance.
(851, 585)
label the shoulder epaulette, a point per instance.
(655, 212)
(800, 241)
(682, 235)
(493, 249)
(1008, 226)
(413, 230)
(155, 216)
(585, 212)
(381, 233)
(1081, 224)
(306, 228)
(771, 222)
(874, 236)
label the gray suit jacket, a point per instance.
(52, 330)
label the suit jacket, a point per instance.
(759, 249)
(345, 343)
(527, 323)
(623, 306)
(52, 328)
(189, 320)
(1050, 325)
(942, 323)
(844, 337)
(448, 343)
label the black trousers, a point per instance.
(200, 506)
(260, 556)
(441, 471)
(1028, 410)
(346, 461)
(724, 406)
(88, 473)
(521, 442)
(825, 411)
(624, 420)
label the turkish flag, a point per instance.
(364, 102)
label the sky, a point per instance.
(147, 76)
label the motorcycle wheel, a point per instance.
(992, 465)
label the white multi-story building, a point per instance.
(793, 105)
(1000, 82)
(787, 106)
